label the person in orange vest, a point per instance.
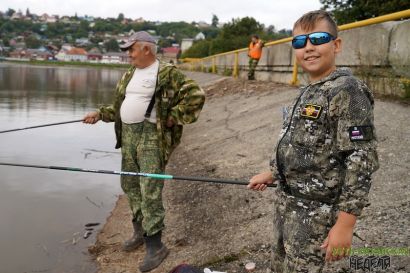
(254, 53)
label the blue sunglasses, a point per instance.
(315, 38)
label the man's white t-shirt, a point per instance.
(138, 94)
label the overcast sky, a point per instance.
(280, 13)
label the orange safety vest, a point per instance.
(255, 50)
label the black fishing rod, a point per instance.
(150, 175)
(39, 126)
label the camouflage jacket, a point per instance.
(327, 146)
(175, 96)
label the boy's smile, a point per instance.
(317, 60)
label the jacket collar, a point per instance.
(339, 72)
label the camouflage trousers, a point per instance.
(141, 153)
(300, 227)
(252, 66)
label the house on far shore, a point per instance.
(169, 54)
(77, 54)
(32, 54)
(94, 55)
(62, 54)
(115, 58)
(199, 36)
(186, 43)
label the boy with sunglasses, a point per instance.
(324, 157)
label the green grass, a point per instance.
(406, 86)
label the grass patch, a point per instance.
(406, 87)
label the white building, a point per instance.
(200, 36)
(115, 58)
(186, 43)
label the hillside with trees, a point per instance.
(96, 30)
(27, 30)
(234, 35)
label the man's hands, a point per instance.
(261, 181)
(170, 122)
(91, 117)
(339, 239)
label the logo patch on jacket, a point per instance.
(360, 133)
(311, 111)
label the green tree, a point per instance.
(82, 30)
(57, 29)
(10, 12)
(270, 29)
(120, 17)
(6, 27)
(215, 20)
(96, 40)
(236, 34)
(242, 27)
(112, 45)
(164, 43)
(346, 11)
(211, 32)
(177, 29)
(285, 32)
(6, 39)
(32, 42)
(57, 42)
(199, 49)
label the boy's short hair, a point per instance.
(308, 21)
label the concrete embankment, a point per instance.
(379, 54)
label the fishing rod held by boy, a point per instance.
(150, 175)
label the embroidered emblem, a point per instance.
(311, 111)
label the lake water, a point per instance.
(43, 212)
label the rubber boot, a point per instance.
(136, 240)
(156, 252)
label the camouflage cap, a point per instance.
(140, 36)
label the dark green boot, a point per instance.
(156, 252)
(136, 240)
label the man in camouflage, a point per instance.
(324, 158)
(147, 140)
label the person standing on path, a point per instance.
(254, 53)
(153, 100)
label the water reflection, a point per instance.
(43, 212)
(55, 86)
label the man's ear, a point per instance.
(338, 45)
(146, 50)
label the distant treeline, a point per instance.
(233, 35)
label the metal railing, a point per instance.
(235, 72)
